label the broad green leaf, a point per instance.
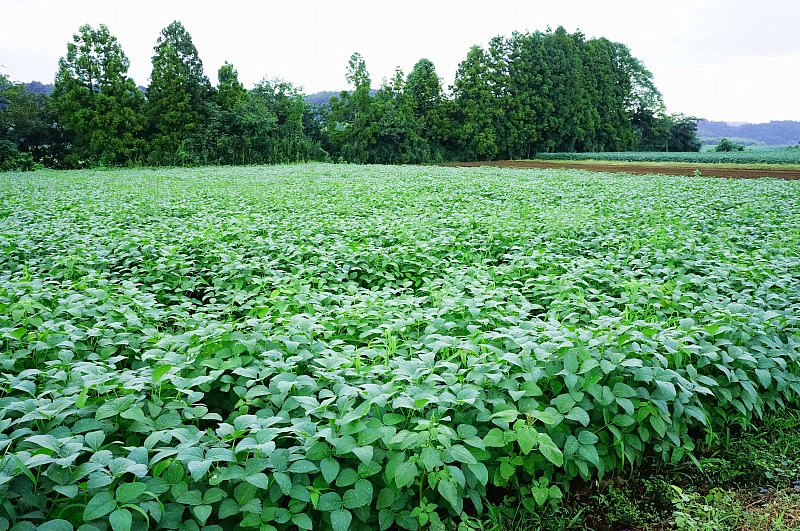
(100, 505)
(329, 468)
(121, 520)
(127, 492)
(340, 520)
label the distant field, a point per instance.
(379, 347)
(750, 156)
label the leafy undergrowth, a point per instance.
(749, 481)
(366, 347)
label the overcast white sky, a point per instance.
(734, 60)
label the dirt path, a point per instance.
(706, 170)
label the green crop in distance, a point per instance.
(324, 346)
(749, 156)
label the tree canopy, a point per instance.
(523, 94)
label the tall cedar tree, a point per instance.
(97, 103)
(177, 96)
(350, 126)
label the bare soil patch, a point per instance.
(706, 170)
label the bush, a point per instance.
(11, 159)
(726, 146)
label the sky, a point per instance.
(730, 60)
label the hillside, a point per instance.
(775, 133)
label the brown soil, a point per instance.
(642, 169)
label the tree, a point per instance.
(683, 134)
(177, 96)
(726, 146)
(349, 128)
(474, 108)
(230, 91)
(28, 128)
(97, 103)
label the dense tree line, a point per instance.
(522, 95)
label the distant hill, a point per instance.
(324, 97)
(320, 98)
(35, 87)
(775, 133)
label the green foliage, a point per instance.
(97, 104)
(177, 97)
(525, 94)
(362, 347)
(27, 130)
(726, 146)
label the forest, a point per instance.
(521, 95)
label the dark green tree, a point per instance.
(29, 128)
(98, 105)
(726, 146)
(350, 127)
(177, 97)
(422, 93)
(683, 134)
(474, 108)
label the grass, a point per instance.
(751, 481)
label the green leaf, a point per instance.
(666, 391)
(586, 437)
(549, 450)
(462, 455)
(198, 469)
(622, 390)
(330, 501)
(579, 415)
(540, 494)
(480, 471)
(431, 459)
(94, 440)
(405, 474)
(527, 438)
(53, 525)
(386, 498)
(364, 453)
(563, 402)
(202, 512)
(507, 415)
(390, 419)
(127, 492)
(120, 520)
(259, 480)
(228, 508)
(302, 466)
(330, 469)
(346, 477)
(340, 520)
(449, 491)
(358, 496)
(213, 495)
(160, 371)
(302, 520)
(764, 377)
(283, 482)
(100, 505)
(494, 438)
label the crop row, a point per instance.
(762, 156)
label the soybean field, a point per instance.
(367, 347)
